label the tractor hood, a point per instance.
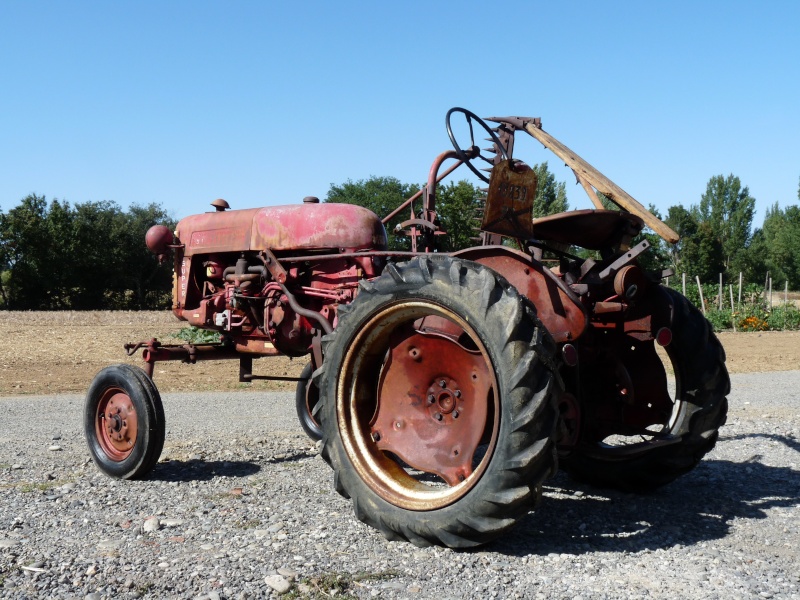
(283, 228)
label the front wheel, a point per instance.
(437, 403)
(306, 397)
(123, 422)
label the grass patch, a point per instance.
(248, 524)
(28, 487)
(336, 585)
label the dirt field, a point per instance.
(48, 352)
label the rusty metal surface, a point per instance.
(636, 395)
(116, 424)
(509, 204)
(317, 226)
(296, 227)
(356, 406)
(154, 351)
(558, 309)
(592, 229)
(432, 405)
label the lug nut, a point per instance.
(431, 398)
(443, 383)
(438, 416)
(457, 393)
(455, 414)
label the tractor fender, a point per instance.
(557, 306)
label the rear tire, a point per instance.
(701, 407)
(124, 422)
(367, 400)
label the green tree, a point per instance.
(779, 243)
(728, 208)
(90, 256)
(699, 251)
(551, 195)
(457, 205)
(381, 195)
(26, 254)
(685, 225)
(138, 281)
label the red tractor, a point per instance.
(445, 387)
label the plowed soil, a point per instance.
(56, 352)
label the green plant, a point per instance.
(195, 335)
(751, 314)
(720, 319)
(784, 317)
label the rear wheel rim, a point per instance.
(359, 408)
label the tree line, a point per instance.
(718, 237)
(87, 256)
(92, 255)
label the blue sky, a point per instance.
(263, 103)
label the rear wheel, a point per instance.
(124, 422)
(696, 409)
(437, 403)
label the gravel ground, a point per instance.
(241, 506)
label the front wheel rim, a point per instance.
(116, 424)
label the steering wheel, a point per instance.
(462, 155)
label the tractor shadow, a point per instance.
(700, 506)
(203, 470)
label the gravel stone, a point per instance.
(729, 529)
(151, 524)
(278, 583)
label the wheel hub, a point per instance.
(433, 405)
(117, 425)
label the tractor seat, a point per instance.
(591, 229)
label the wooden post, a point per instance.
(702, 300)
(770, 294)
(733, 316)
(740, 289)
(683, 278)
(785, 302)
(720, 291)
(766, 283)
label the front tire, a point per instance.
(124, 422)
(306, 398)
(437, 403)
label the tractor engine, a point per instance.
(228, 277)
